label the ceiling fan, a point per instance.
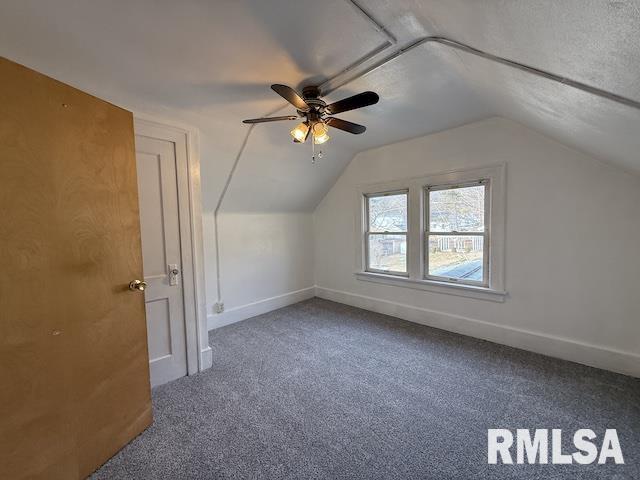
(316, 113)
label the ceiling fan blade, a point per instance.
(270, 119)
(346, 126)
(360, 100)
(291, 96)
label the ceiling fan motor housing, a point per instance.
(313, 116)
(311, 95)
(310, 92)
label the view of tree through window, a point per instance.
(455, 235)
(386, 241)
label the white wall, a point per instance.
(572, 239)
(266, 261)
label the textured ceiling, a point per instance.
(210, 64)
(596, 42)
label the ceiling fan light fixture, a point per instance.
(320, 133)
(300, 133)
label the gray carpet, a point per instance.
(322, 390)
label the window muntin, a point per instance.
(456, 237)
(385, 239)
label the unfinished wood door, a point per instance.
(74, 377)
(161, 256)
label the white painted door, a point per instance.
(161, 257)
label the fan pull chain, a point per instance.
(313, 153)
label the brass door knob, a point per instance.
(137, 285)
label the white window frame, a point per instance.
(494, 288)
(486, 260)
(368, 233)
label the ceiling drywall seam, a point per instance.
(504, 61)
(378, 27)
(390, 41)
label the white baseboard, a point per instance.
(619, 361)
(249, 310)
(206, 358)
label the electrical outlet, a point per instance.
(218, 307)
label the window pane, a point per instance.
(388, 213)
(457, 209)
(388, 253)
(458, 257)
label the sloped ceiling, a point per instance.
(596, 42)
(210, 64)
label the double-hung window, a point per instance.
(457, 234)
(386, 232)
(442, 233)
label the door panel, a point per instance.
(159, 333)
(154, 260)
(161, 252)
(73, 348)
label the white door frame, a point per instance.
(186, 140)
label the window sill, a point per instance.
(470, 291)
